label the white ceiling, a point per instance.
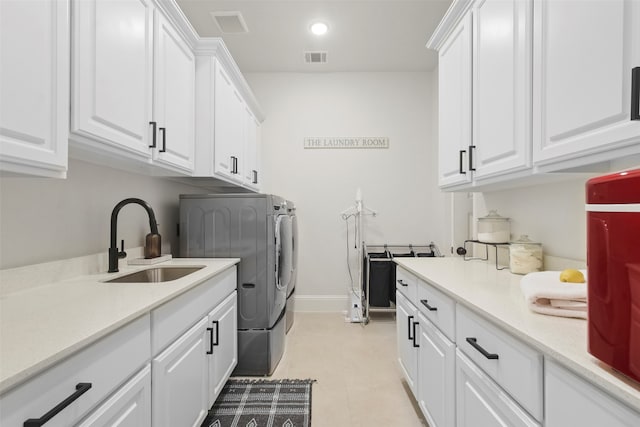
(364, 35)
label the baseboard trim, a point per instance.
(321, 303)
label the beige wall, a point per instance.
(44, 219)
(398, 182)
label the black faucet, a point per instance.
(114, 253)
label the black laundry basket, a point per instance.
(382, 273)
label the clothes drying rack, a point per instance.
(385, 253)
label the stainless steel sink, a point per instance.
(156, 275)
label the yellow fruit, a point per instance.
(572, 276)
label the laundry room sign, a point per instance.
(346, 142)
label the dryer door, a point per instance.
(294, 254)
(284, 252)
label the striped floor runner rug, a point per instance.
(262, 403)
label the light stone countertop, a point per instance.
(496, 296)
(44, 324)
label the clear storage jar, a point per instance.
(525, 256)
(494, 228)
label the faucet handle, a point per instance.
(122, 253)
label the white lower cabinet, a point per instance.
(128, 407)
(223, 350)
(71, 390)
(571, 401)
(180, 380)
(406, 325)
(480, 402)
(436, 375)
(165, 368)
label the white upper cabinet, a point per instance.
(584, 53)
(252, 151)
(502, 51)
(227, 120)
(174, 98)
(133, 85)
(112, 75)
(34, 87)
(454, 86)
(229, 128)
(485, 51)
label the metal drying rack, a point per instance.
(399, 251)
(486, 251)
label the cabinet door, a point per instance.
(174, 98)
(228, 126)
(34, 82)
(436, 376)
(406, 320)
(480, 402)
(223, 321)
(251, 176)
(502, 53)
(584, 53)
(179, 380)
(112, 75)
(454, 100)
(571, 401)
(130, 406)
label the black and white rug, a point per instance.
(262, 403)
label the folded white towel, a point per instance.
(545, 293)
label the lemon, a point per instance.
(572, 276)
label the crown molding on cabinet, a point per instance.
(453, 15)
(214, 46)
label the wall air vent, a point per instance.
(230, 22)
(315, 57)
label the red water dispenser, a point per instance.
(613, 268)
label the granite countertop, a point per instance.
(496, 296)
(42, 325)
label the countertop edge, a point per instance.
(14, 380)
(601, 376)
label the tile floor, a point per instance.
(359, 382)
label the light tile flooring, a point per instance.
(359, 382)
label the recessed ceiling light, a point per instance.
(319, 28)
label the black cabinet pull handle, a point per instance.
(635, 93)
(485, 353)
(402, 283)
(81, 388)
(217, 325)
(471, 148)
(153, 139)
(409, 319)
(164, 139)
(255, 176)
(234, 164)
(414, 334)
(426, 304)
(461, 153)
(210, 351)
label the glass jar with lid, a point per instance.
(494, 228)
(525, 256)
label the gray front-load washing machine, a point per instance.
(257, 229)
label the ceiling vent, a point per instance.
(315, 57)
(230, 22)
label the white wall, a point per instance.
(398, 182)
(44, 219)
(552, 214)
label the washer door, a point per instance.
(284, 252)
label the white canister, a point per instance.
(525, 256)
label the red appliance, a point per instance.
(613, 268)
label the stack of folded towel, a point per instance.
(546, 294)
